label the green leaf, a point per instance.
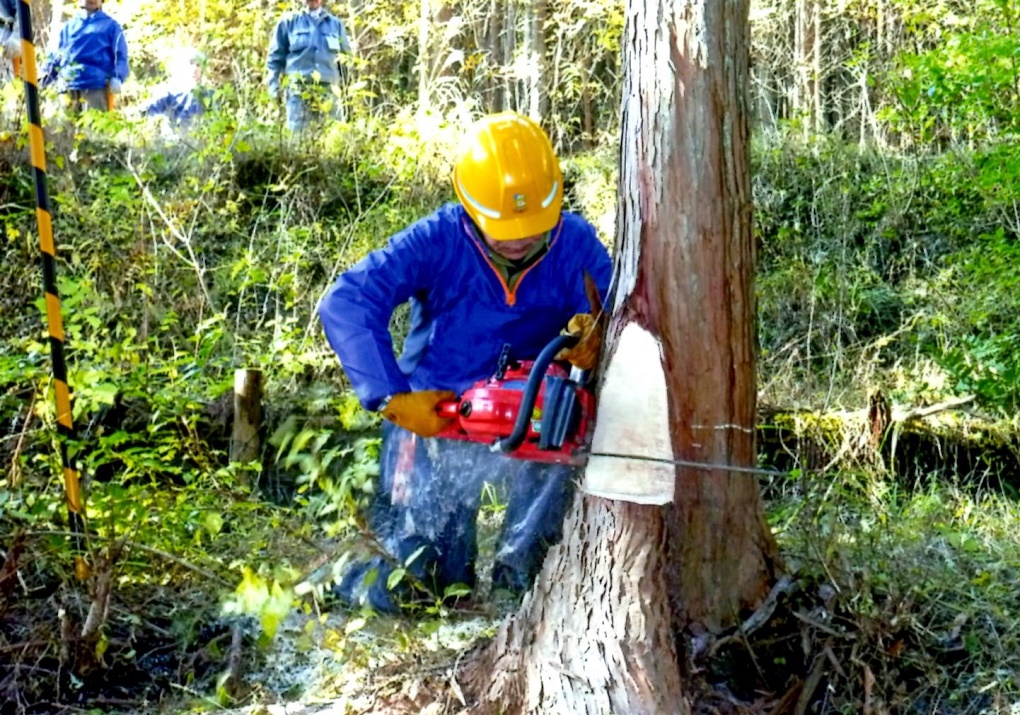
(395, 577)
(456, 590)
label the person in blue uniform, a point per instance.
(10, 36)
(90, 62)
(182, 98)
(504, 266)
(304, 62)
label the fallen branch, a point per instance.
(755, 621)
(919, 412)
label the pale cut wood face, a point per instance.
(633, 419)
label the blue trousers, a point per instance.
(310, 102)
(427, 503)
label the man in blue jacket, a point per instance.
(91, 59)
(304, 55)
(504, 267)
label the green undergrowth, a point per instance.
(885, 270)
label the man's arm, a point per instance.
(356, 314)
(121, 69)
(54, 60)
(345, 41)
(279, 47)
(159, 105)
(597, 262)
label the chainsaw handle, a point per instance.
(514, 440)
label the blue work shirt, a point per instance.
(303, 44)
(90, 52)
(462, 311)
(8, 20)
(179, 106)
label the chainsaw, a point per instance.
(536, 410)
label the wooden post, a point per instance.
(244, 440)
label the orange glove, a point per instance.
(416, 411)
(585, 353)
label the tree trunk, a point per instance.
(245, 444)
(538, 97)
(424, 65)
(816, 68)
(497, 88)
(686, 274)
(801, 104)
(43, 44)
(510, 91)
(595, 633)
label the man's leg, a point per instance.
(335, 103)
(297, 110)
(95, 99)
(423, 516)
(538, 498)
(75, 101)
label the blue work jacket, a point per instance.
(303, 44)
(90, 52)
(180, 107)
(462, 312)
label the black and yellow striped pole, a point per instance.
(65, 423)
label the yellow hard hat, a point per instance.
(508, 178)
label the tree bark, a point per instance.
(496, 83)
(595, 635)
(816, 68)
(689, 191)
(510, 92)
(802, 45)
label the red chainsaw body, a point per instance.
(487, 412)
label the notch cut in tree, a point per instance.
(596, 633)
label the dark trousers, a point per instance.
(427, 505)
(82, 99)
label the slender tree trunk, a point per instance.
(595, 635)
(56, 22)
(245, 443)
(587, 118)
(497, 88)
(816, 68)
(424, 20)
(509, 48)
(539, 98)
(802, 45)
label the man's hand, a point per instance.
(273, 85)
(416, 411)
(585, 352)
(115, 85)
